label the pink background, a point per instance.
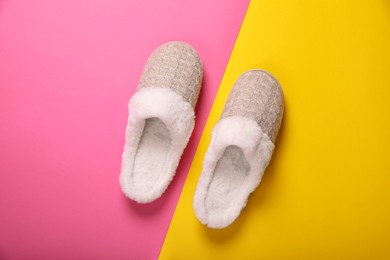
(67, 71)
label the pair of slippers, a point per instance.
(161, 120)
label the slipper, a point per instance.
(161, 120)
(241, 147)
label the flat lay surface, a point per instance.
(69, 68)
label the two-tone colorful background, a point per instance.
(68, 69)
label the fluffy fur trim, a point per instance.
(178, 117)
(257, 148)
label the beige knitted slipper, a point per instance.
(161, 120)
(241, 147)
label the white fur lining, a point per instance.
(233, 167)
(170, 121)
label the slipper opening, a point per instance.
(151, 154)
(227, 180)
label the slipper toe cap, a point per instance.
(174, 65)
(257, 95)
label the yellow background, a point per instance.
(326, 193)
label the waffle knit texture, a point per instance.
(257, 95)
(174, 65)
